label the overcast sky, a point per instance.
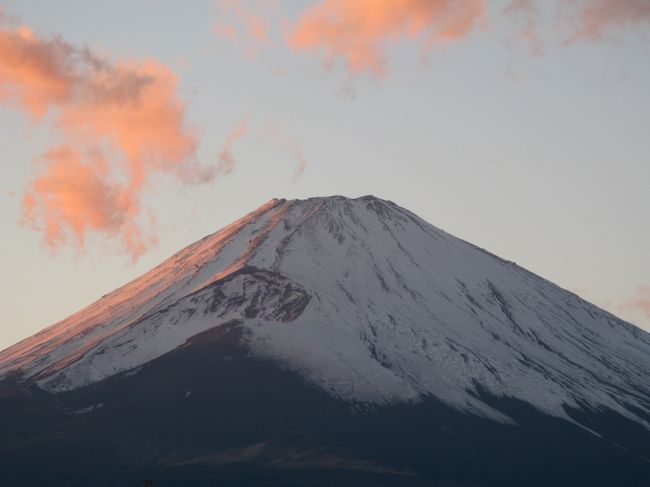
(131, 129)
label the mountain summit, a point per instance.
(368, 310)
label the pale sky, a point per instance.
(527, 134)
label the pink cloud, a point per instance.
(357, 30)
(116, 125)
(77, 195)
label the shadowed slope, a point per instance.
(210, 413)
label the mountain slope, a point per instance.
(385, 308)
(372, 307)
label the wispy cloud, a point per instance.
(299, 157)
(245, 22)
(581, 20)
(639, 302)
(526, 12)
(226, 160)
(593, 19)
(290, 144)
(114, 124)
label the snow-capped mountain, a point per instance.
(366, 302)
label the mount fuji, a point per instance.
(330, 340)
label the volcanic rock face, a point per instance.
(368, 303)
